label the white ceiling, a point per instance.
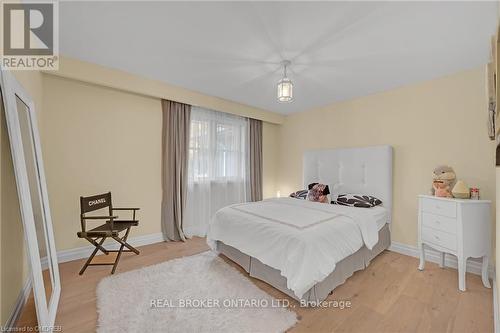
(339, 50)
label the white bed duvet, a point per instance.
(303, 240)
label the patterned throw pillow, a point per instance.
(302, 194)
(357, 200)
(318, 193)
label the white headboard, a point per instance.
(366, 170)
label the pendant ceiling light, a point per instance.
(285, 86)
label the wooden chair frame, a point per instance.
(110, 229)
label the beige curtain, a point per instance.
(255, 159)
(175, 146)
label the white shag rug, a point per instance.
(200, 293)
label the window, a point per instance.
(217, 166)
(217, 146)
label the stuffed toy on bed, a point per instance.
(443, 180)
(318, 193)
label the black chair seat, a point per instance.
(90, 233)
(104, 229)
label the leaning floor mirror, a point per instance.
(33, 198)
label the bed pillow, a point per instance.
(302, 194)
(318, 193)
(357, 200)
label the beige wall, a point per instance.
(436, 122)
(13, 264)
(112, 78)
(98, 139)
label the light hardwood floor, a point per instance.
(391, 295)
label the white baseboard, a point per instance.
(19, 305)
(473, 265)
(85, 251)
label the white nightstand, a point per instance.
(457, 226)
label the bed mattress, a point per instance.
(320, 291)
(381, 216)
(302, 240)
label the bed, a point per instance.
(306, 249)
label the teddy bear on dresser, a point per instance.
(443, 180)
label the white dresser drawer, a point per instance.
(440, 207)
(456, 226)
(439, 222)
(440, 238)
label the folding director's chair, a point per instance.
(111, 228)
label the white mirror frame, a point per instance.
(46, 311)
